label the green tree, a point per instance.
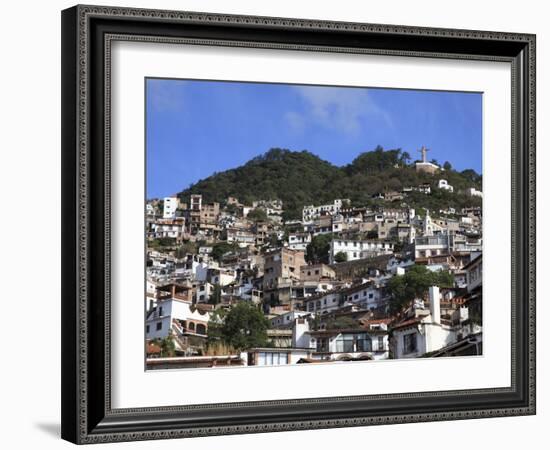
(186, 248)
(257, 215)
(317, 251)
(215, 325)
(232, 209)
(162, 242)
(314, 322)
(301, 178)
(221, 248)
(244, 327)
(341, 257)
(414, 284)
(372, 234)
(167, 346)
(471, 175)
(447, 166)
(216, 296)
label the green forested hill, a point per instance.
(302, 178)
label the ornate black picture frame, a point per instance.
(87, 415)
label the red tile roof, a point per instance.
(408, 323)
(152, 348)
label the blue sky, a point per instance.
(196, 128)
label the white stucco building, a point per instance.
(175, 315)
(287, 319)
(323, 304)
(299, 241)
(311, 212)
(426, 333)
(367, 343)
(443, 184)
(170, 207)
(149, 210)
(168, 228)
(358, 249)
(367, 295)
(242, 237)
(473, 192)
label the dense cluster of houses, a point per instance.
(336, 310)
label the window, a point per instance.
(147, 329)
(317, 272)
(345, 343)
(381, 343)
(409, 343)
(272, 359)
(364, 343)
(322, 345)
(159, 326)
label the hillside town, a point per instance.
(236, 284)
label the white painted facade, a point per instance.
(427, 167)
(276, 356)
(158, 323)
(170, 207)
(474, 273)
(427, 334)
(473, 192)
(443, 184)
(149, 209)
(286, 319)
(242, 237)
(372, 342)
(168, 228)
(426, 246)
(367, 296)
(311, 212)
(299, 241)
(324, 304)
(199, 270)
(414, 342)
(358, 249)
(204, 291)
(354, 344)
(223, 277)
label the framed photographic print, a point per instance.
(268, 222)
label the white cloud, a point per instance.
(344, 109)
(295, 121)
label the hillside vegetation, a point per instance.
(302, 178)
